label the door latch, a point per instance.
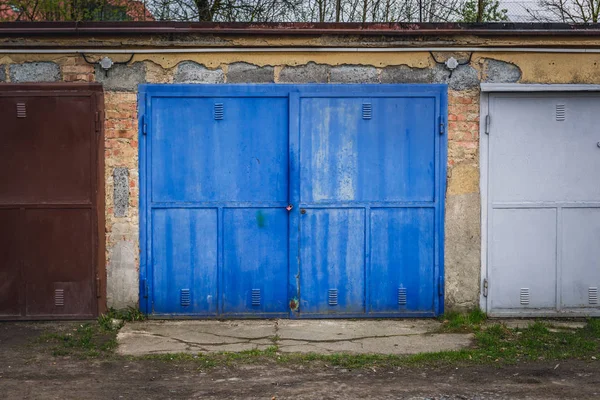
(289, 207)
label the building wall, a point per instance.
(462, 247)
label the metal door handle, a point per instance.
(598, 144)
(289, 207)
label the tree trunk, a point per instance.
(480, 5)
(204, 14)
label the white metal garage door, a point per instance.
(543, 203)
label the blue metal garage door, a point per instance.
(299, 201)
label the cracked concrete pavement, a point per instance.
(293, 336)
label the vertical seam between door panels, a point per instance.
(558, 255)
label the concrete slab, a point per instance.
(159, 337)
(398, 345)
(306, 336)
(349, 329)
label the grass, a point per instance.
(461, 322)
(113, 320)
(91, 339)
(88, 340)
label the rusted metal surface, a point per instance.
(294, 304)
(297, 28)
(51, 174)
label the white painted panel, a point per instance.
(580, 256)
(523, 251)
(536, 156)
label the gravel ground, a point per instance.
(28, 370)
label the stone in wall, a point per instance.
(34, 72)
(354, 74)
(192, 72)
(406, 74)
(122, 77)
(309, 73)
(2, 73)
(501, 72)
(462, 78)
(121, 191)
(242, 72)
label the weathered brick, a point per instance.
(157, 74)
(120, 133)
(128, 114)
(78, 77)
(116, 97)
(78, 69)
(119, 124)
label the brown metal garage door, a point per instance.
(51, 201)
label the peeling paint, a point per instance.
(294, 304)
(261, 219)
(535, 67)
(463, 179)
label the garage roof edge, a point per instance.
(517, 87)
(299, 29)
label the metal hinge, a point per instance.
(442, 126)
(98, 286)
(144, 288)
(485, 288)
(487, 124)
(441, 286)
(144, 127)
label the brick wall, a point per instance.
(462, 246)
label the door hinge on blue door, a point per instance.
(144, 125)
(442, 126)
(441, 286)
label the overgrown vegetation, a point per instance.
(493, 344)
(463, 323)
(90, 339)
(113, 320)
(82, 341)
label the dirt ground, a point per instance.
(28, 370)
